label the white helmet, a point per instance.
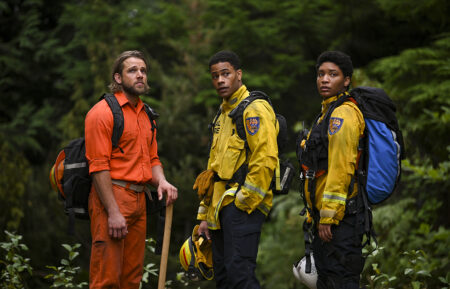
(309, 279)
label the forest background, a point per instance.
(55, 62)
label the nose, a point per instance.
(325, 78)
(140, 74)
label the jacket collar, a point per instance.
(328, 101)
(235, 98)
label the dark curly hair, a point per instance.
(339, 58)
(226, 56)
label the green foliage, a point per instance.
(417, 79)
(282, 243)
(13, 265)
(415, 220)
(14, 176)
(417, 273)
(55, 59)
(64, 276)
(149, 268)
(402, 227)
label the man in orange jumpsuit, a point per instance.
(117, 205)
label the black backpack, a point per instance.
(284, 173)
(70, 173)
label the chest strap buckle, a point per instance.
(310, 174)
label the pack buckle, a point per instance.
(310, 174)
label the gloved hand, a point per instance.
(204, 184)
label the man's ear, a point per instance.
(118, 78)
(347, 81)
(239, 74)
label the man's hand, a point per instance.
(325, 232)
(117, 225)
(203, 229)
(170, 191)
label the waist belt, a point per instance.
(131, 186)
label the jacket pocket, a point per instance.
(235, 146)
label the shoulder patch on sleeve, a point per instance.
(335, 125)
(252, 125)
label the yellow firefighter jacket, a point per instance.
(345, 129)
(228, 153)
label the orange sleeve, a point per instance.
(98, 131)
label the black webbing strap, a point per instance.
(368, 229)
(237, 114)
(311, 176)
(117, 112)
(211, 128)
(152, 115)
(119, 121)
(307, 233)
(158, 208)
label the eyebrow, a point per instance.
(224, 69)
(136, 66)
(331, 70)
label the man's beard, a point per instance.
(130, 90)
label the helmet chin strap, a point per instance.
(309, 279)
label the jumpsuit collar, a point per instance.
(123, 100)
(235, 98)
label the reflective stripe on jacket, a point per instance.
(228, 153)
(345, 129)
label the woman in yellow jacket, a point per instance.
(329, 160)
(231, 214)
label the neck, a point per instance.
(234, 93)
(133, 99)
(338, 95)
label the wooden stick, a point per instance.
(165, 247)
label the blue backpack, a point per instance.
(381, 150)
(379, 168)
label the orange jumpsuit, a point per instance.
(119, 263)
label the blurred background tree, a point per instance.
(55, 61)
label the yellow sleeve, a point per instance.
(344, 131)
(261, 130)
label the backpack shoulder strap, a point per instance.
(152, 116)
(211, 127)
(237, 114)
(117, 112)
(117, 115)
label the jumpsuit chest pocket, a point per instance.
(231, 156)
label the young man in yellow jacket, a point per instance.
(329, 161)
(235, 187)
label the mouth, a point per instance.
(324, 89)
(222, 89)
